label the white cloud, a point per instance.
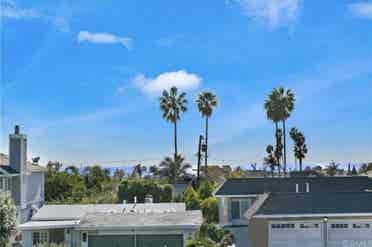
(10, 10)
(362, 9)
(273, 13)
(181, 79)
(103, 38)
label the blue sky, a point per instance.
(82, 78)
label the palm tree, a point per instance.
(174, 169)
(332, 169)
(172, 105)
(278, 152)
(279, 107)
(270, 159)
(206, 103)
(300, 149)
(139, 170)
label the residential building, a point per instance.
(313, 220)
(240, 199)
(111, 225)
(23, 180)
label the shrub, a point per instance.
(209, 208)
(191, 198)
(128, 189)
(7, 218)
(206, 190)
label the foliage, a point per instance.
(238, 172)
(138, 171)
(128, 189)
(332, 169)
(174, 169)
(192, 199)
(206, 189)
(7, 218)
(211, 235)
(209, 207)
(270, 159)
(300, 148)
(365, 168)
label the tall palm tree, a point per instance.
(172, 106)
(279, 107)
(174, 169)
(300, 148)
(273, 113)
(206, 102)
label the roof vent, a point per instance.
(297, 188)
(149, 199)
(307, 187)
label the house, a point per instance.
(138, 224)
(23, 180)
(240, 199)
(313, 220)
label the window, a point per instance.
(39, 237)
(282, 226)
(239, 207)
(4, 184)
(361, 226)
(309, 225)
(339, 226)
(85, 237)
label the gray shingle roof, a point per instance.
(191, 219)
(317, 203)
(247, 186)
(75, 212)
(7, 169)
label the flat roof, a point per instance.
(32, 225)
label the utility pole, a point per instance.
(199, 156)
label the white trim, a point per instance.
(278, 216)
(238, 196)
(149, 227)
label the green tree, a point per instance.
(279, 107)
(7, 218)
(332, 169)
(209, 208)
(192, 199)
(206, 189)
(174, 169)
(172, 106)
(270, 159)
(139, 170)
(300, 149)
(206, 102)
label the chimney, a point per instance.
(297, 188)
(18, 151)
(149, 199)
(307, 187)
(135, 200)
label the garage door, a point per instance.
(141, 241)
(350, 234)
(111, 241)
(284, 234)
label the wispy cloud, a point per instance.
(10, 10)
(362, 9)
(104, 38)
(181, 79)
(272, 13)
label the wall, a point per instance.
(258, 232)
(35, 188)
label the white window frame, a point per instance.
(241, 211)
(42, 237)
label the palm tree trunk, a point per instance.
(300, 161)
(276, 141)
(175, 140)
(285, 149)
(206, 144)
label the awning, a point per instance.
(39, 225)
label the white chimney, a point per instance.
(149, 199)
(307, 187)
(135, 200)
(297, 188)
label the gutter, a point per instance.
(280, 216)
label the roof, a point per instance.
(317, 204)
(7, 170)
(249, 186)
(191, 219)
(48, 225)
(76, 212)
